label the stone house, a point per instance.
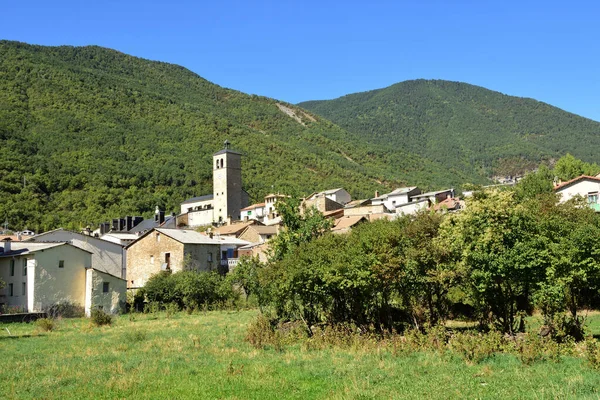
(170, 249)
(259, 233)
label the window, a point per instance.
(151, 259)
(249, 213)
(24, 267)
(168, 259)
(61, 264)
(592, 198)
(209, 257)
(223, 255)
(12, 267)
(24, 289)
(157, 237)
(105, 287)
(10, 289)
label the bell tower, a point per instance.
(227, 185)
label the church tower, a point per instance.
(227, 185)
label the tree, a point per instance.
(569, 167)
(498, 249)
(245, 275)
(535, 184)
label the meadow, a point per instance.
(204, 355)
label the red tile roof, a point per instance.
(253, 206)
(582, 177)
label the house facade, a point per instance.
(170, 249)
(585, 186)
(40, 275)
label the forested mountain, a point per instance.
(461, 125)
(88, 133)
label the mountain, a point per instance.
(88, 134)
(474, 129)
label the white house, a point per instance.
(397, 197)
(254, 211)
(40, 275)
(585, 186)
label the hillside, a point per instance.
(89, 133)
(469, 127)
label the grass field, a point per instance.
(204, 356)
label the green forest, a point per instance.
(474, 129)
(89, 133)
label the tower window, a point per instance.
(221, 163)
(216, 163)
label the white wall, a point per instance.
(200, 218)
(581, 188)
(112, 301)
(17, 280)
(52, 284)
(411, 208)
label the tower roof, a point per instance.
(227, 149)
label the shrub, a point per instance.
(65, 310)
(171, 309)
(135, 336)
(475, 348)
(592, 352)
(46, 324)
(100, 318)
(261, 333)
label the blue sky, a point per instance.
(305, 50)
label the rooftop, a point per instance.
(186, 236)
(253, 206)
(575, 180)
(199, 198)
(24, 248)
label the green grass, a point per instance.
(205, 356)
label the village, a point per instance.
(95, 269)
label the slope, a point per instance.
(88, 133)
(470, 127)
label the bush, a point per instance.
(190, 290)
(46, 324)
(100, 318)
(65, 310)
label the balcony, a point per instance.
(230, 263)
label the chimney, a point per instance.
(156, 214)
(128, 222)
(7, 245)
(377, 193)
(19, 236)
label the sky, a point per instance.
(313, 50)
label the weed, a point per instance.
(171, 309)
(592, 352)
(46, 324)
(100, 318)
(135, 336)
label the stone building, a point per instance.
(170, 249)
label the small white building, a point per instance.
(254, 211)
(397, 197)
(40, 275)
(585, 186)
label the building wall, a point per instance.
(582, 188)
(412, 208)
(18, 299)
(145, 257)
(255, 213)
(341, 196)
(197, 205)
(323, 204)
(51, 284)
(198, 256)
(106, 256)
(112, 301)
(251, 235)
(365, 210)
(200, 218)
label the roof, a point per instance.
(13, 238)
(121, 235)
(232, 240)
(186, 236)
(347, 222)
(80, 235)
(431, 193)
(233, 229)
(265, 230)
(199, 198)
(357, 203)
(402, 190)
(575, 180)
(24, 248)
(450, 203)
(227, 151)
(333, 213)
(253, 206)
